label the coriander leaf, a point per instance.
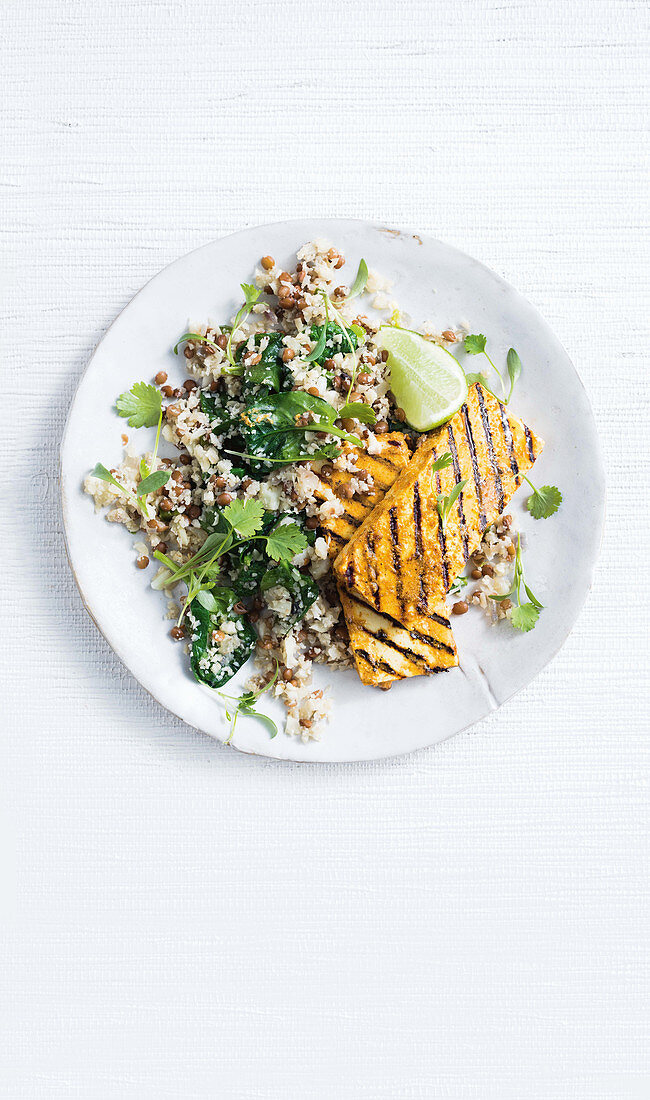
(319, 347)
(215, 600)
(544, 502)
(475, 344)
(251, 294)
(245, 516)
(524, 617)
(152, 482)
(459, 583)
(142, 404)
(249, 712)
(358, 410)
(105, 475)
(285, 541)
(514, 370)
(446, 503)
(361, 278)
(533, 599)
(443, 462)
(195, 337)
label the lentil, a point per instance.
(177, 632)
(223, 499)
(160, 377)
(142, 562)
(459, 608)
(268, 263)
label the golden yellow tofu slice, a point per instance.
(401, 560)
(391, 456)
(385, 650)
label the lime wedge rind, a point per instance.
(427, 381)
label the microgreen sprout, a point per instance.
(525, 615)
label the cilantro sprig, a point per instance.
(243, 519)
(445, 502)
(460, 583)
(245, 704)
(525, 615)
(142, 407)
(544, 502)
(251, 295)
(475, 344)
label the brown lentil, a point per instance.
(264, 643)
(384, 356)
(239, 608)
(340, 291)
(165, 504)
(268, 262)
(167, 391)
(312, 522)
(305, 723)
(162, 546)
(287, 674)
(172, 411)
(459, 608)
(363, 378)
(314, 391)
(400, 415)
(186, 460)
(380, 428)
(449, 336)
(193, 511)
(476, 574)
(188, 351)
(160, 377)
(246, 483)
(506, 605)
(487, 570)
(177, 632)
(287, 355)
(177, 475)
(189, 384)
(142, 562)
(223, 499)
(222, 341)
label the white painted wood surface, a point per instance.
(183, 922)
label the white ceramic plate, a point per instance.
(432, 282)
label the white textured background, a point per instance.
(183, 922)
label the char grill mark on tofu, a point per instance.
(461, 513)
(507, 433)
(384, 649)
(490, 447)
(441, 531)
(486, 447)
(529, 444)
(475, 471)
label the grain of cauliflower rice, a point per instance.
(302, 342)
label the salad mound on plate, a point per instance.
(304, 517)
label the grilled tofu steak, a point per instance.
(401, 561)
(381, 469)
(385, 650)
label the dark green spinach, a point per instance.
(204, 622)
(302, 589)
(336, 339)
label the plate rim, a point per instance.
(390, 231)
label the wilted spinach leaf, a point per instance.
(301, 587)
(335, 340)
(203, 623)
(214, 407)
(272, 428)
(268, 374)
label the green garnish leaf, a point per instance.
(215, 600)
(359, 332)
(246, 706)
(360, 280)
(524, 617)
(533, 599)
(514, 370)
(358, 410)
(475, 344)
(285, 541)
(245, 516)
(446, 503)
(319, 346)
(544, 502)
(195, 337)
(152, 482)
(142, 404)
(251, 294)
(458, 585)
(443, 462)
(472, 379)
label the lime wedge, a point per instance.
(427, 381)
